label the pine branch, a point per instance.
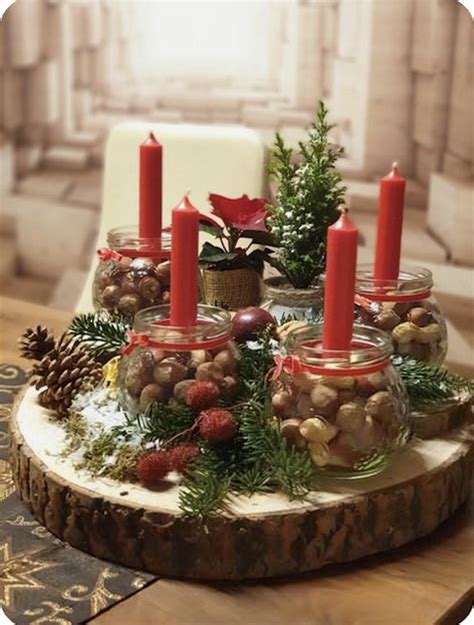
(102, 333)
(162, 422)
(428, 383)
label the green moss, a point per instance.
(125, 465)
(76, 431)
(97, 450)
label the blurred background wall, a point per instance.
(397, 77)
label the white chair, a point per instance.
(228, 160)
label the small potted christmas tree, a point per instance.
(309, 192)
(231, 271)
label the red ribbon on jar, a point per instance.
(292, 365)
(104, 253)
(143, 339)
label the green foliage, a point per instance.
(162, 422)
(428, 383)
(214, 257)
(102, 333)
(309, 192)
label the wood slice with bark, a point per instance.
(265, 535)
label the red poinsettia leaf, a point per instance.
(241, 213)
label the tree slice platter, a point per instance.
(261, 536)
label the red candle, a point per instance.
(184, 264)
(151, 188)
(389, 226)
(339, 288)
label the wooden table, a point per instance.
(426, 583)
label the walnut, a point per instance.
(350, 417)
(404, 332)
(319, 453)
(324, 400)
(317, 429)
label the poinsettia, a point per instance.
(241, 217)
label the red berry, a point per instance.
(201, 395)
(182, 455)
(153, 467)
(216, 425)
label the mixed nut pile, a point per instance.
(128, 285)
(414, 327)
(341, 421)
(150, 374)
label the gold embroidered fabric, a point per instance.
(42, 579)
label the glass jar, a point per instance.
(406, 309)
(348, 409)
(133, 272)
(161, 362)
(286, 303)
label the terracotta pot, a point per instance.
(231, 289)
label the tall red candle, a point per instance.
(184, 264)
(389, 226)
(339, 288)
(151, 188)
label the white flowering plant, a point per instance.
(309, 192)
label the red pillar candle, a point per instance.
(184, 264)
(339, 287)
(389, 226)
(151, 188)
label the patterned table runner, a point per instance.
(42, 579)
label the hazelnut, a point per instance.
(304, 406)
(341, 453)
(401, 308)
(169, 372)
(387, 320)
(149, 394)
(304, 381)
(419, 316)
(124, 263)
(319, 453)
(369, 384)
(404, 349)
(181, 389)
(230, 386)
(368, 437)
(420, 351)
(210, 371)
(163, 272)
(281, 403)
(166, 297)
(350, 417)
(134, 383)
(345, 395)
(317, 429)
(227, 361)
(335, 381)
(404, 332)
(149, 288)
(110, 296)
(197, 357)
(290, 431)
(129, 304)
(324, 400)
(380, 406)
(128, 284)
(428, 334)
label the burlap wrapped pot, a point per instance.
(231, 289)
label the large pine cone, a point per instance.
(63, 372)
(35, 344)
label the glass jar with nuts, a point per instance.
(161, 362)
(406, 309)
(347, 409)
(133, 272)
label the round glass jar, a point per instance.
(161, 362)
(283, 301)
(348, 409)
(133, 272)
(406, 309)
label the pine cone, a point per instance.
(35, 344)
(63, 372)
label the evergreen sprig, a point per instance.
(162, 422)
(427, 383)
(309, 192)
(102, 333)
